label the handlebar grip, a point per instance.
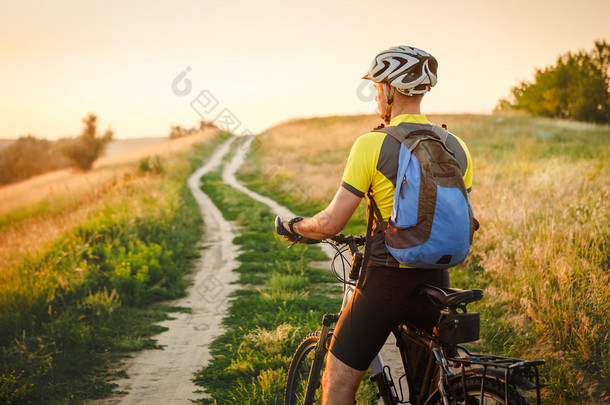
(279, 227)
(281, 230)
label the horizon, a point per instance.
(118, 138)
(142, 67)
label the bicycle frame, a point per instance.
(512, 373)
(499, 367)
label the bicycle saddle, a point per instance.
(449, 297)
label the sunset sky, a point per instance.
(262, 62)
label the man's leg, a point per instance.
(340, 382)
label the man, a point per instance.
(385, 295)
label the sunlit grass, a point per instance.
(86, 291)
(39, 210)
(541, 192)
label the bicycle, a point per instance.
(451, 374)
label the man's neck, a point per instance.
(410, 108)
(406, 105)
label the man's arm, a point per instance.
(331, 220)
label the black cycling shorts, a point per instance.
(383, 299)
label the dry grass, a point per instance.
(542, 194)
(311, 152)
(40, 209)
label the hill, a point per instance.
(84, 257)
(120, 146)
(542, 194)
(20, 203)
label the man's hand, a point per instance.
(286, 229)
(289, 238)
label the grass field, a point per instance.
(85, 259)
(541, 192)
(83, 269)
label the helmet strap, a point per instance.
(389, 94)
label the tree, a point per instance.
(203, 125)
(577, 87)
(89, 146)
(177, 131)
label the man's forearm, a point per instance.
(331, 220)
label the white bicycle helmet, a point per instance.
(410, 70)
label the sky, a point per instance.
(143, 66)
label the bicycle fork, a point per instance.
(319, 353)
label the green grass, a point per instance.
(94, 294)
(282, 298)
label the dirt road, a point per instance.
(164, 376)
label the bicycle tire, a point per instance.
(299, 371)
(494, 393)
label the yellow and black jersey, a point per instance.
(373, 164)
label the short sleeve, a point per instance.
(360, 167)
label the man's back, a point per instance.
(373, 163)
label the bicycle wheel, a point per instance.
(299, 373)
(494, 393)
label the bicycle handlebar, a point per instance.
(353, 241)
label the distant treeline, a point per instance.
(29, 156)
(577, 88)
(178, 131)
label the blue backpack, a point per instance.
(432, 222)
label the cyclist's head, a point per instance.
(408, 69)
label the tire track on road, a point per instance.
(165, 376)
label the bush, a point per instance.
(29, 156)
(148, 164)
(89, 146)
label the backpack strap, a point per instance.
(369, 233)
(377, 214)
(402, 131)
(441, 132)
(374, 214)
